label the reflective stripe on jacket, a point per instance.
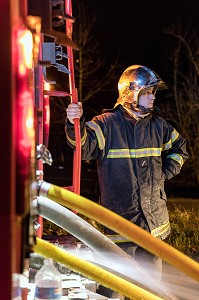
(134, 159)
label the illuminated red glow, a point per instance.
(24, 119)
(46, 114)
(25, 48)
(25, 102)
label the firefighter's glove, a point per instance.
(74, 111)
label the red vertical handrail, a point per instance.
(74, 99)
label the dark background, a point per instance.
(135, 29)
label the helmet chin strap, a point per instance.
(131, 106)
(131, 102)
(145, 110)
(137, 113)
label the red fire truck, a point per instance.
(24, 111)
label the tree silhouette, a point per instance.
(94, 72)
(185, 108)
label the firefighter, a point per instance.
(136, 151)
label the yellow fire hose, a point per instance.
(92, 271)
(113, 221)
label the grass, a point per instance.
(185, 231)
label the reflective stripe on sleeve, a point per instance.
(177, 158)
(73, 142)
(99, 134)
(168, 145)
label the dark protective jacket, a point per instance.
(134, 159)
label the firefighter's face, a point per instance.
(147, 97)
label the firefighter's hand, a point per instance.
(74, 111)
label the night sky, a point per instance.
(136, 28)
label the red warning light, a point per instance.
(46, 114)
(24, 118)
